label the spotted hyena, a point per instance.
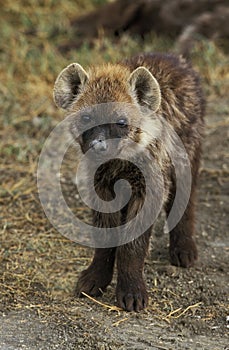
(147, 92)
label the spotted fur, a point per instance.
(155, 89)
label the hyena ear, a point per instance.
(145, 88)
(68, 85)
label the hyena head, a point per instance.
(111, 108)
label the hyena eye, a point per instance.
(122, 122)
(85, 118)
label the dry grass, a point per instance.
(38, 265)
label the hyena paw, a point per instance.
(92, 282)
(183, 253)
(132, 295)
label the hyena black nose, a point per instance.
(99, 145)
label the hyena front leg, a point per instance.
(98, 275)
(131, 289)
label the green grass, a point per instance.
(30, 61)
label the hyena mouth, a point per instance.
(102, 148)
(99, 146)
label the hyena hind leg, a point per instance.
(182, 247)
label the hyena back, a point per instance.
(153, 89)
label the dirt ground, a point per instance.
(187, 308)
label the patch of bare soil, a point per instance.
(187, 307)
